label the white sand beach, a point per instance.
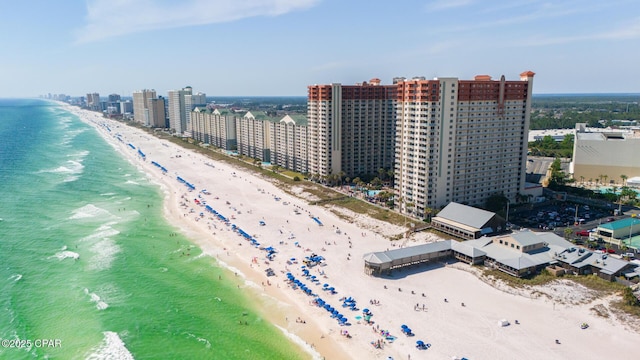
(452, 330)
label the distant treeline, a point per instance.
(597, 110)
(291, 103)
(548, 111)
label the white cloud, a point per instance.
(110, 18)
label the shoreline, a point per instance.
(411, 297)
(273, 305)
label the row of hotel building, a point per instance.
(446, 140)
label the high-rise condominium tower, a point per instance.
(460, 140)
(350, 128)
(141, 106)
(178, 109)
(157, 114)
(93, 101)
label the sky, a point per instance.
(279, 47)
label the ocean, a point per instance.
(90, 269)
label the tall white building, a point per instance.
(140, 106)
(460, 140)
(178, 109)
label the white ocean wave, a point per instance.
(201, 255)
(89, 211)
(296, 339)
(15, 277)
(70, 167)
(82, 154)
(206, 342)
(111, 348)
(70, 135)
(71, 178)
(236, 271)
(66, 254)
(100, 305)
(104, 254)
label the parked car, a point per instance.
(582, 233)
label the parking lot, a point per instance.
(558, 216)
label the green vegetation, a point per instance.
(540, 279)
(558, 178)
(497, 203)
(548, 147)
(563, 112)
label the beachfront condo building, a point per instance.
(93, 102)
(287, 142)
(141, 106)
(178, 109)
(214, 127)
(126, 107)
(191, 101)
(460, 140)
(350, 128)
(156, 112)
(607, 157)
(251, 136)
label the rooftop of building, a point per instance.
(467, 215)
(620, 224)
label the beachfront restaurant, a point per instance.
(382, 262)
(467, 222)
(522, 253)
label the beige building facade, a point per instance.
(141, 106)
(605, 156)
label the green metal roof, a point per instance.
(300, 119)
(620, 224)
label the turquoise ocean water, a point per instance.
(88, 263)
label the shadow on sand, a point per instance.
(410, 270)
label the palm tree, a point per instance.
(567, 233)
(605, 178)
(582, 179)
(428, 212)
(624, 179)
